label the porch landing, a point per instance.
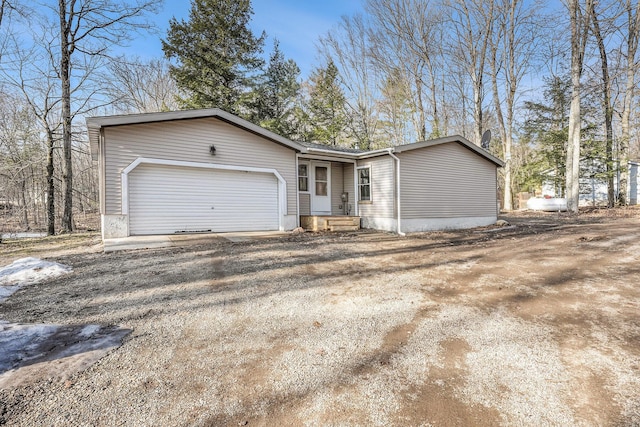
(330, 222)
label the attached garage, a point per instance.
(167, 199)
(192, 171)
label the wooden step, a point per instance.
(344, 228)
(332, 221)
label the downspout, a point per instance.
(297, 192)
(356, 196)
(393, 156)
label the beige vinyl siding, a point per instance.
(189, 140)
(337, 180)
(347, 173)
(305, 204)
(445, 181)
(382, 188)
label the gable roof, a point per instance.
(95, 124)
(447, 139)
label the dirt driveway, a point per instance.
(535, 324)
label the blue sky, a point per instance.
(297, 24)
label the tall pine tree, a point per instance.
(275, 97)
(217, 54)
(547, 127)
(325, 106)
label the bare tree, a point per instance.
(141, 86)
(5, 8)
(89, 28)
(54, 64)
(21, 161)
(579, 21)
(633, 31)
(407, 39)
(349, 47)
(471, 25)
(38, 88)
(512, 46)
(395, 109)
(4, 4)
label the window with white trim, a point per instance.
(303, 177)
(364, 184)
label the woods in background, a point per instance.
(554, 82)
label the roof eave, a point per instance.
(453, 138)
(94, 124)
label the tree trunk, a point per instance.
(51, 206)
(513, 66)
(573, 144)
(477, 109)
(3, 3)
(23, 200)
(506, 171)
(623, 147)
(421, 126)
(578, 40)
(65, 73)
(608, 109)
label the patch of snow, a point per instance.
(89, 330)
(26, 349)
(20, 342)
(28, 271)
(22, 235)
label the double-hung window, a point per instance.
(364, 184)
(303, 177)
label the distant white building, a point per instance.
(593, 183)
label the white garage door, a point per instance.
(169, 199)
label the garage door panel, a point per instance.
(169, 199)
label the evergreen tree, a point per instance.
(217, 54)
(548, 127)
(325, 106)
(275, 96)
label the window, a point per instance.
(364, 184)
(303, 177)
(321, 178)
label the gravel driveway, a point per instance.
(535, 324)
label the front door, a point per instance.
(320, 188)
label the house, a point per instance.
(593, 183)
(210, 171)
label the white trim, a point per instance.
(357, 155)
(309, 157)
(398, 210)
(312, 187)
(308, 164)
(282, 184)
